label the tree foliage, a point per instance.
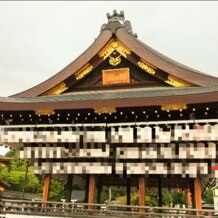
(14, 174)
(167, 198)
(179, 198)
(208, 196)
(57, 191)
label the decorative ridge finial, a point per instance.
(119, 17)
(115, 16)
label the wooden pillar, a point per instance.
(141, 192)
(196, 195)
(188, 201)
(159, 192)
(91, 195)
(87, 189)
(99, 194)
(46, 186)
(128, 191)
(69, 187)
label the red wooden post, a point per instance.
(196, 196)
(91, 195)
(141, 192)
(47, 181)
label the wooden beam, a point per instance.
(69, 187)
(91, 196)
(196, 195)
(46, 186)
(141, 192)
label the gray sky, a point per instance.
(37, 39)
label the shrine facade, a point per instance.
(121, 114)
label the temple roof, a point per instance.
(117, 35)
(117, 98)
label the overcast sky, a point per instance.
(37, 39)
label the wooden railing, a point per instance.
(97, 210)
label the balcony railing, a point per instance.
(58, 209)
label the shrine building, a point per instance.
(121, 114)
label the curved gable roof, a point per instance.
(123, 32)
(163, 62)
(74, 66)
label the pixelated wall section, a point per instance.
(184, 169)
(72, 168)
(69, 150)
(14, 136)
(144, 135)
(197, 151)
(122, 135)
(187, 150)
(134, 134)
(141, 151)
(196, 133)
(168, 151)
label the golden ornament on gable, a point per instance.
(57, 89)
(176, 82)
(112, 46)
(105, 110)
(47, 112)
(173, 107)
(144, 66)
(84, 71)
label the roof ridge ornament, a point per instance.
(115, 16)
(120, 18)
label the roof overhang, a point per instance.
(116, 98)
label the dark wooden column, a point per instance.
(159, 192)
(141, 192)
(128, 191)
(99, 194)
(69, 187)
(91, 196)
(46, 186)
(87, 189)
(196, 194)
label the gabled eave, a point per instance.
(164, 63)
(73, 67)
(112, 31)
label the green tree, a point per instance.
(14, 174)
(151, 198)
(208, 196)
(167, 198)
(56, 192)
(179, 198)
